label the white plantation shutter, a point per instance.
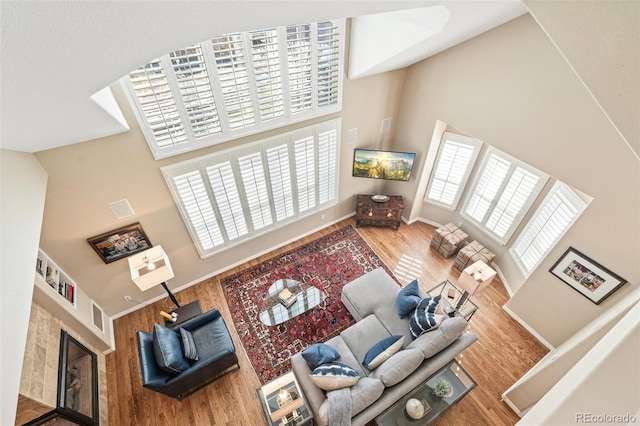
(195, 201)
(225, 193)
(193, 81)
(280, 178)
(559, 210)
(158, 105)
(265, 55)
(299, 57)
(455, 160)
(233, 76)
(327, 165)
(503, 192)
(238, 84)
(512, 201)
(256, 187)
(305, 172)
(328, 63)
(493, 175)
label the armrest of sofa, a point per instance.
(152, 376)
(315, 396)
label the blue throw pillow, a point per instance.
(408, 298)
(334, 375)
(168, 350)
(319, 354)
(382, 351)
(424, 318)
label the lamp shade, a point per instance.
(476, 277)
(150, 268)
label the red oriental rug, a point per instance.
(328, 263)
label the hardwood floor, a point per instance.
(503, 353)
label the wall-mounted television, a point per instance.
(389, 165)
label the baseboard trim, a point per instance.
(225, 269)
(528, 328)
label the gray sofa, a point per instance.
(371, 299)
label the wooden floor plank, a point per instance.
(503, 353)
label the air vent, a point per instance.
(121, 208)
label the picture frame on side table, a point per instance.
(120, 243)
(586, 276)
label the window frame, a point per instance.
(323, 73)
(569, 198)
(514, 165)
(454, 138)
(201, 165)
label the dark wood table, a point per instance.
(185, 312)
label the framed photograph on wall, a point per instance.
(120, 243)
(586, 276)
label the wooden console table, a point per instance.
(370, 212)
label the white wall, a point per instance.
(511, 89)
(22, 196)
(603, 383)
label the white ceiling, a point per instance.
(57, 54)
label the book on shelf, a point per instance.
(286, 297)
(53, 276)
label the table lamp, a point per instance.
(150, 268)
(474, 279)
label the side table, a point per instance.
(283, 402)
(451, 295)
(386, 213)
(185, 312)
(461, 384)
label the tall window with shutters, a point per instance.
(237, 84)
(555, 215)
(502, 193)
(228, 197)
(456, 157)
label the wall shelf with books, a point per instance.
(55, 278)
(56, 292)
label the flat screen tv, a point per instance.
(389, 165)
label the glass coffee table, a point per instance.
(461, 384)
(305, 297)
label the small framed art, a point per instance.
(120, 243)
(586, 276)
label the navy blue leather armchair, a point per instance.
(216, 357)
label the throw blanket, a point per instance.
(339, 407)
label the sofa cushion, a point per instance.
(361, 336)
(334, 375)
(408, 299)
(318, 354)
(424, 318)
(167, 350)
(433, 342)
(382, 351)
(188, 345)
(363, 394)
(398, 367)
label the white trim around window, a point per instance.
(231, 196)
(555, 215)
(502, 193)
(456, 156)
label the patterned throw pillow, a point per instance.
(408, 298)
(188, 345)
(382, 351)
(318, 354)
(424, 318)
(334, 375)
